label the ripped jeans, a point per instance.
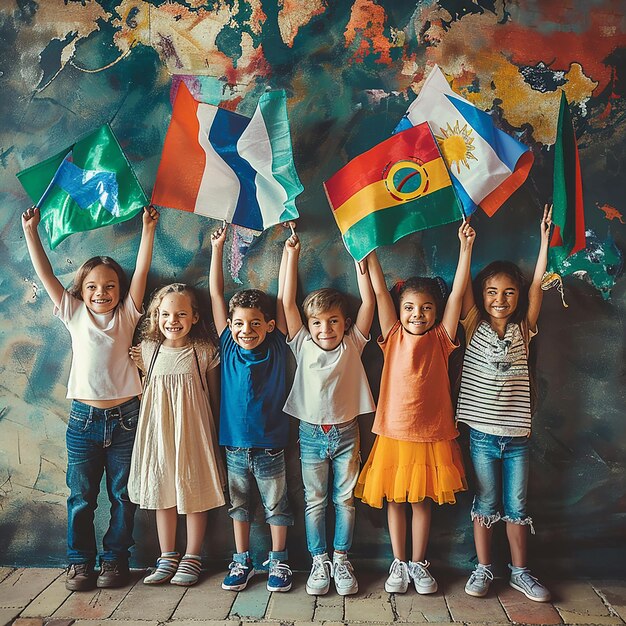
(501, 470)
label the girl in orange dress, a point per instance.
(415, 457)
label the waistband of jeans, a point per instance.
(341, 426)
(112, 412)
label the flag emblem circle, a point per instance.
(406, 179)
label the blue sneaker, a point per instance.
(238, 575)
(280, 575)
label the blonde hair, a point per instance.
(323, 300)
(200, 333)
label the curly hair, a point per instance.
(517, 277)
(322, 300)
(436, 288)
(251, 299)
(77, 286)
(200, 333)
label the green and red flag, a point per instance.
(398, 187)
(568, 214)
(87, 185)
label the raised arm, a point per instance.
(535, 293)
(468, 295)
(387, 315)
(137, 289)
(41, 263)
(289, 264)
(216, 280)
(455, 302)
(368, 300)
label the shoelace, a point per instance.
(525, 576)
(107, 566)
(79, 568)
(482, 573)
(278, 569)
(421, 570)
(319, 569)
(237, 569)
(397, 569)
(343, 570)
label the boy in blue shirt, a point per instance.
(253, 427)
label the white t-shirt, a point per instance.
(330, 386)
(101, 367)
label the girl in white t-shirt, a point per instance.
(100, 311)
(176, 466)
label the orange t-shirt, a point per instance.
(415, 402)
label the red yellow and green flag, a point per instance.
(398, 187)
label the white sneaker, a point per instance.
(424, 582)
(318, 582)
(398, 580)
(345, 582)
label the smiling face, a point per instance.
(100, 290)
(500, 297)
(327, 328)
(418, 312)
(176, 319)
(249, 327)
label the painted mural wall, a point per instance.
(350, 69)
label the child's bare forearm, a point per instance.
(386, 310)
(42, 266)
(365, 316)
(144, 257)
(216, 289)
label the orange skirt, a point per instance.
(409, 471)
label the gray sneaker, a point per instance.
(528, 585)
(422, 578)
(345, 581)
(318, 582)
(398, 579)
(479, 581)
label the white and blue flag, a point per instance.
(227, 166)
(486, 164)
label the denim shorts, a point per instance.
(267, 467)
(501, 471)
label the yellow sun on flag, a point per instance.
(457, 145)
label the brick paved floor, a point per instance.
(37, 597)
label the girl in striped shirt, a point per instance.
(500, 317)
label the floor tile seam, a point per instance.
(605, 601)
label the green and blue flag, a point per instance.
(88, 185)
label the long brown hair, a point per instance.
(77, 286)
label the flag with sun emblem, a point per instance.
(485, 163)
(398, 187)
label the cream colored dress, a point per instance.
(176, 460)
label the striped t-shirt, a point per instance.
(494, 397)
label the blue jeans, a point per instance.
(267, 467)
(501, 469)
(339, 448)
(99, 440)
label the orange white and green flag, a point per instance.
(398, 187)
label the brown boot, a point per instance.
(112, 574)
(80, 577)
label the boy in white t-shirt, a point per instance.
(330, 390)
